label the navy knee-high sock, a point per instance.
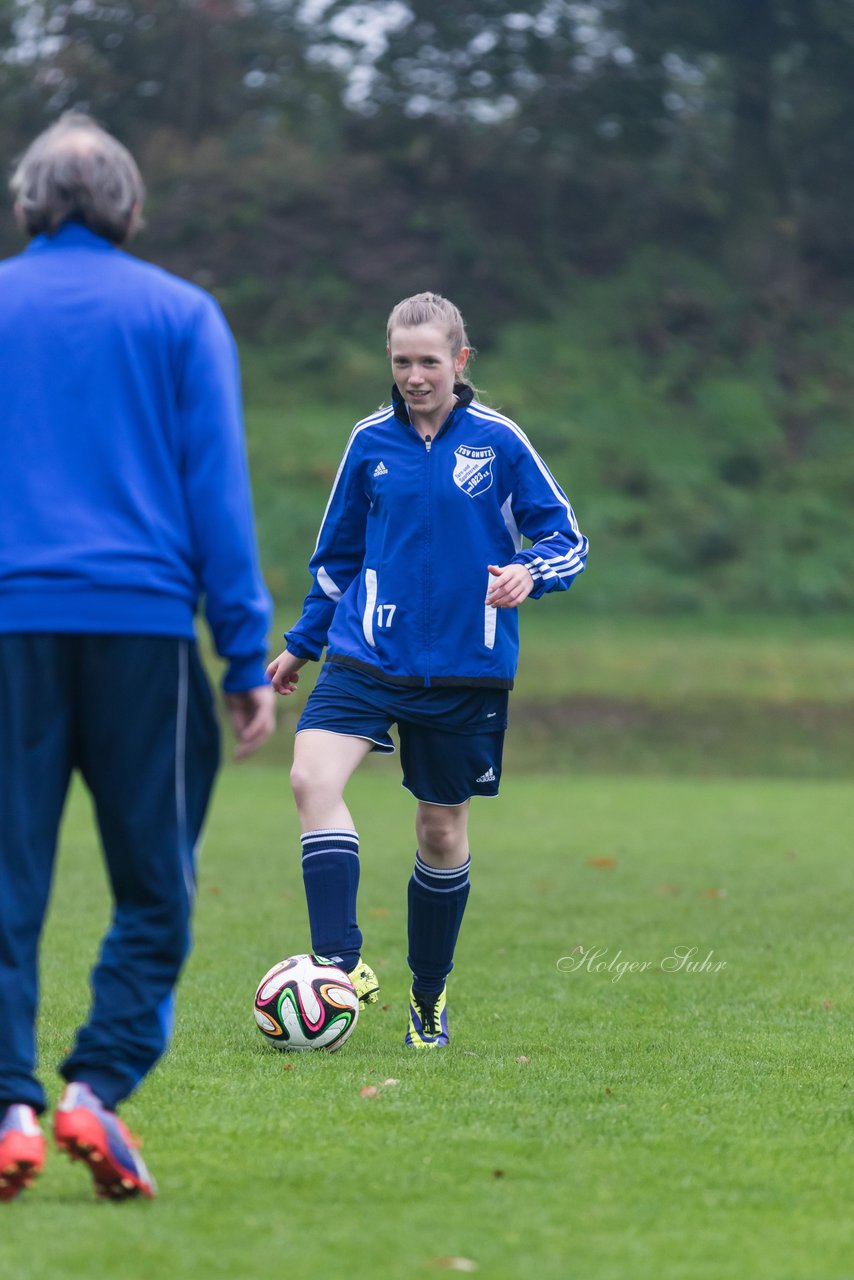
(330, 873)
(437, 901)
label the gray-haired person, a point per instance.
(124, 499)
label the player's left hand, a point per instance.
(510, 586)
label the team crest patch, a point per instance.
(473, 469)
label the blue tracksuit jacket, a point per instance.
(124, 492)
(400, 567)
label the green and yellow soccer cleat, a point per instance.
(428, 1021)
(366, 983)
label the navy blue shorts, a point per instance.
(451, 739)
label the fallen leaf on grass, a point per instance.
(827, 1004)
(521, 1058)
(385, 1007)
(287, 1066)
(714, 893)
(603, 863)
(669, 890)
(372, 1090)
(213, 888)
(498, 1173)
(456, 1264)
(378, 913)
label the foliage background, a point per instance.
(641, 207)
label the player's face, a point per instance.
(425, 370)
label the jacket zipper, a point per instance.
(428, 443)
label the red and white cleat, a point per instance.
(22, 1150)
(87, 1130)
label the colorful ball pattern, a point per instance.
(306, 1002)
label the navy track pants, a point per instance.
(134, 715)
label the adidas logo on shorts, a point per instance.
(381, 469)
(489, 776)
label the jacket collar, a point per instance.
(71, 235)
(463, 392)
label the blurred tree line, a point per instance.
(311, 161)
(304, 153)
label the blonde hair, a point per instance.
(432, 308)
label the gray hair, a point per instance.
(75, 169)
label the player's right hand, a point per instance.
(283, 672)
(253, 718)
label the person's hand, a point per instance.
(510, 586)
(253, 718)
(283, 672)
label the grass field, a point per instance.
(687, 696)
(654, 1125)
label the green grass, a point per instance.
(567, 652)
(701, 483)
(665, 1126)
(737, 697)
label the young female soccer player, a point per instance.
(418, 572)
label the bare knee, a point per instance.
(442, 834)
(313, 786)
(323, 764)
(303, 780)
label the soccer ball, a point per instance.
(306, 1002)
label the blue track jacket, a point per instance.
(124, 491)
(400, 567)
